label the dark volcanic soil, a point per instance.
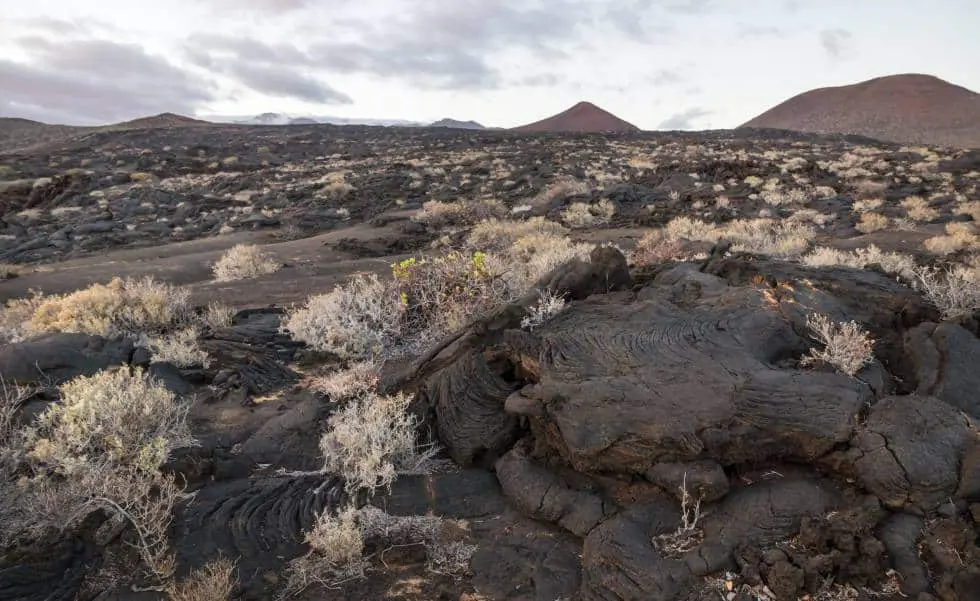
(569, 443)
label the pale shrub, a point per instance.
(955, 291)
(493, 235)
(532, 257)
(181, 348)
(867, 204)
(548, 305)
(115, 416)
(691, 229)
(846, 346)
(958, 236)
(214, 581)
(560, 189)
(335, 555)
(338, 542)
(123, 306)
(918, 209)
(895, 263)
(8, 271)
(217, 315)
(656, 247)
(436, 214)
(244, 261)
(812, 216)
(582, 214)
(15, 317)
(871, 222)
(441, 294)
(769, 237)
(101, 447)
(351, 383)
(971, 208)
(355, 320)
(762, 236)
(371, 440)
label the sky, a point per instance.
(660, 64)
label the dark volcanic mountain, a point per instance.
(583, 117)
(910, 108)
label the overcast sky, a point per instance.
(686, 64)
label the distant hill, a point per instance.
(453, 123)
(22, 134)
(161, 120)
(583, 117)
(907, 108)
(285, 119)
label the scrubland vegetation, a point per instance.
(103, 442)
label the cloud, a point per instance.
(541, 79)
(285, 83)
(96, 81)
(684, 119)
(760, 31)
(691, 7)
(836, 42)
(280, 69)
(666, 77)
(271, 6)
(629, 19)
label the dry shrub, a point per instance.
(351, 383)
(115, 416)
(870, 189)
(688, 228)
(917, 209)
(971, 208)
(548, 305)
(335, 185)
(656, 247)
(846, 346)
(101, 447)
(955, 291)
(335, 555)
(689, 534)
(355, 320)
(560, 189)
(778, 197)
(214, 581)
(123, 306)
(532, 257)
(762, 236)
(15, 317)
(959, 236)
(371, 440)
(180, 348)
(244, 261)
(812, 216)
(437, 214)
(867, 204)
(440, 294)
(871, 222)
(494, 235)
(862, 258)
(769, 237)
(216, 315)
(582, 214)
(8, 271)
(338, 544)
